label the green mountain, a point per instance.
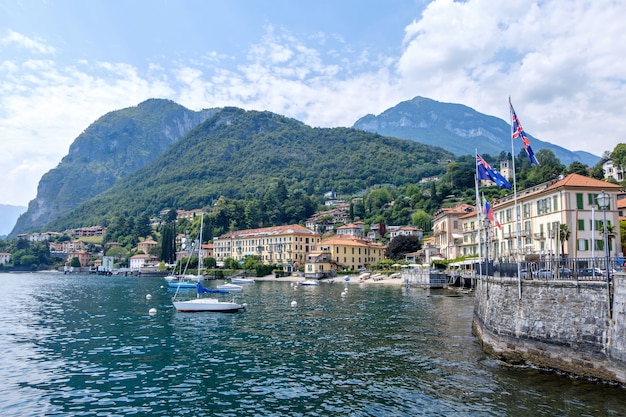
(458, 129)
(114, 146)
(239, 154)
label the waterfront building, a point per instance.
(284, 245)
(352, 252)
(471, 238)
(140, 260)
(447, 230)
(543, 208)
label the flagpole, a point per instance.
(517, 213)
(478, 211)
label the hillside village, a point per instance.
(328, 241)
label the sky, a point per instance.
(65, 63)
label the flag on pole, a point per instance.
(488, 210)
(485, 172)
(518, 132)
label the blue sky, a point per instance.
(65, 63)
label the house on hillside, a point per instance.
(395, 231)
(147, 244)
(356, 229)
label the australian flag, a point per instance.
(518, 132)
(485, 172)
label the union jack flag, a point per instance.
(518, 132)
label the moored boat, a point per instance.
(242, 280)
(230, 287)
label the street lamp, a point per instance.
(604, 200)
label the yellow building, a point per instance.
(319, 265)
(282, 245)
(350, 252)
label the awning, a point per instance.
(457, 236)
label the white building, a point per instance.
(543, 208)
(612, 171)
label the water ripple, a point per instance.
(86, 346)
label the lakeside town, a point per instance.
(558, 219)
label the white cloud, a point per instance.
(561, 64)
(14, 38)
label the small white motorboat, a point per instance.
(242, 280)
(310, 282)
(230, 287)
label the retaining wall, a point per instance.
(561, 325)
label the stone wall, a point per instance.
(560, 325)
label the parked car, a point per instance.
(523, 273)
(590, 272)
(545, 273)
(565, 272)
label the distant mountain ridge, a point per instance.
(115, 150)
(458, 129)
(8, 216)
(117, 144)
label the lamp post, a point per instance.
(604, 200)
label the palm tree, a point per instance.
(610, 234)
(564, 235)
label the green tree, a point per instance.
(74, 262)
(619, 155)
(564, 235)
(422, 220)
(577, 167)
(209, 262)
(168, 243)
(401, 245)
(143, 228)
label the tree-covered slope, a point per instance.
(456, 128)
(115, 145)
(238, 153)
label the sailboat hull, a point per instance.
(181, 284)
(208, 304)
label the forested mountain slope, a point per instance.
(115, 145)
(242, 154)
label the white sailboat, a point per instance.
(200, 304)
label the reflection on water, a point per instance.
(86, 346)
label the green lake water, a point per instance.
(77, 345)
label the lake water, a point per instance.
(86, 346)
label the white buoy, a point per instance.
(148, 297)
(162, 286)
(152, 311)
(294, 304)
(346, 289)
(343, 294)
